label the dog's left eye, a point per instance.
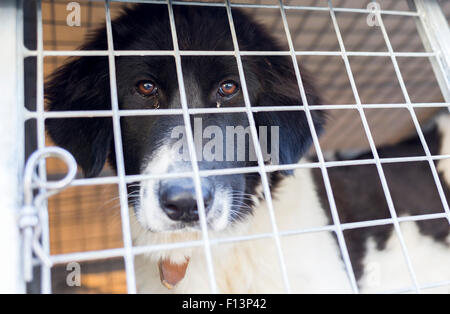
(146, 88)
(228, 88)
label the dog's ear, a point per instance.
(81, 84)
(279, 87)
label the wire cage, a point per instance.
(381, 84)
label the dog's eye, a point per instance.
(146, 88)
(228, 88)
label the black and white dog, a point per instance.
(165, 210)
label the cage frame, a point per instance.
(11, 160)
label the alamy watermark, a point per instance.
(73, 278)
(74, 17)
(373, 17)
(211, 144)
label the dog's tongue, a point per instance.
(171, 273)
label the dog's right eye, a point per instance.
(146, 88)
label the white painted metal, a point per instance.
(435, 33)
(126, 231)
(12, 143)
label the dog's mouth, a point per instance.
(170, 273)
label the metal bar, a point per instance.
(46, 286)
(192, 153)
(269, 168)
(435, 34)
(12, 143)
(126, 229)
(261, 165)
(110, 253)
(141, 53)
(162, 112)
(423, 287)
(266, 6)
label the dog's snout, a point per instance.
(178, 199)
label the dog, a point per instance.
(165, 210)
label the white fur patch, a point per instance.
(149, 213)
(386, 270)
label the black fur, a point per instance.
(83, 84)
(359, 195)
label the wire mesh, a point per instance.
(342, 53)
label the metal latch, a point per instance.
(34, 209)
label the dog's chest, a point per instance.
(312, 260)
(255, 266)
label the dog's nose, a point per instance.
(179, 201)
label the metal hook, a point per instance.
(31, 213)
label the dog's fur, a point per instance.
(313, 261)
